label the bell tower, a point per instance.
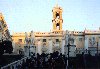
(57, 19)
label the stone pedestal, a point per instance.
(32, 49)
(39, 47)
(26, 51)
(72, 50)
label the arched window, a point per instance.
(57, 15)
(58, 26)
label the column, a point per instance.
(60, 25)
(14, 66)
(62, 47)
(54, 26)
(39, 46)
(50, 46)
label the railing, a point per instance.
(92, 52)
(15, 64)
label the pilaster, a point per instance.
(50, 45)
(39, 46)
(62, 47)
(86, 43)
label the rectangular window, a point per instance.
(44, 40)
(57, 40)
(20, 40)
(93, 38)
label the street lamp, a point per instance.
(68, 55)
(29, 50)
(70, 40)
(97, 48)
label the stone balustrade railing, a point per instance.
(14, 65)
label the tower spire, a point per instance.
(56, 3)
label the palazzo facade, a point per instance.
(57, 39)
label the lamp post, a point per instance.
(29, 50)
(68, 46)
(59, 48)
(97, 48)
(68, 55)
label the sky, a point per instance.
(36, 15)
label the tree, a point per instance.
(1, 49)
(6, 46)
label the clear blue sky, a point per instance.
(36, 15)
